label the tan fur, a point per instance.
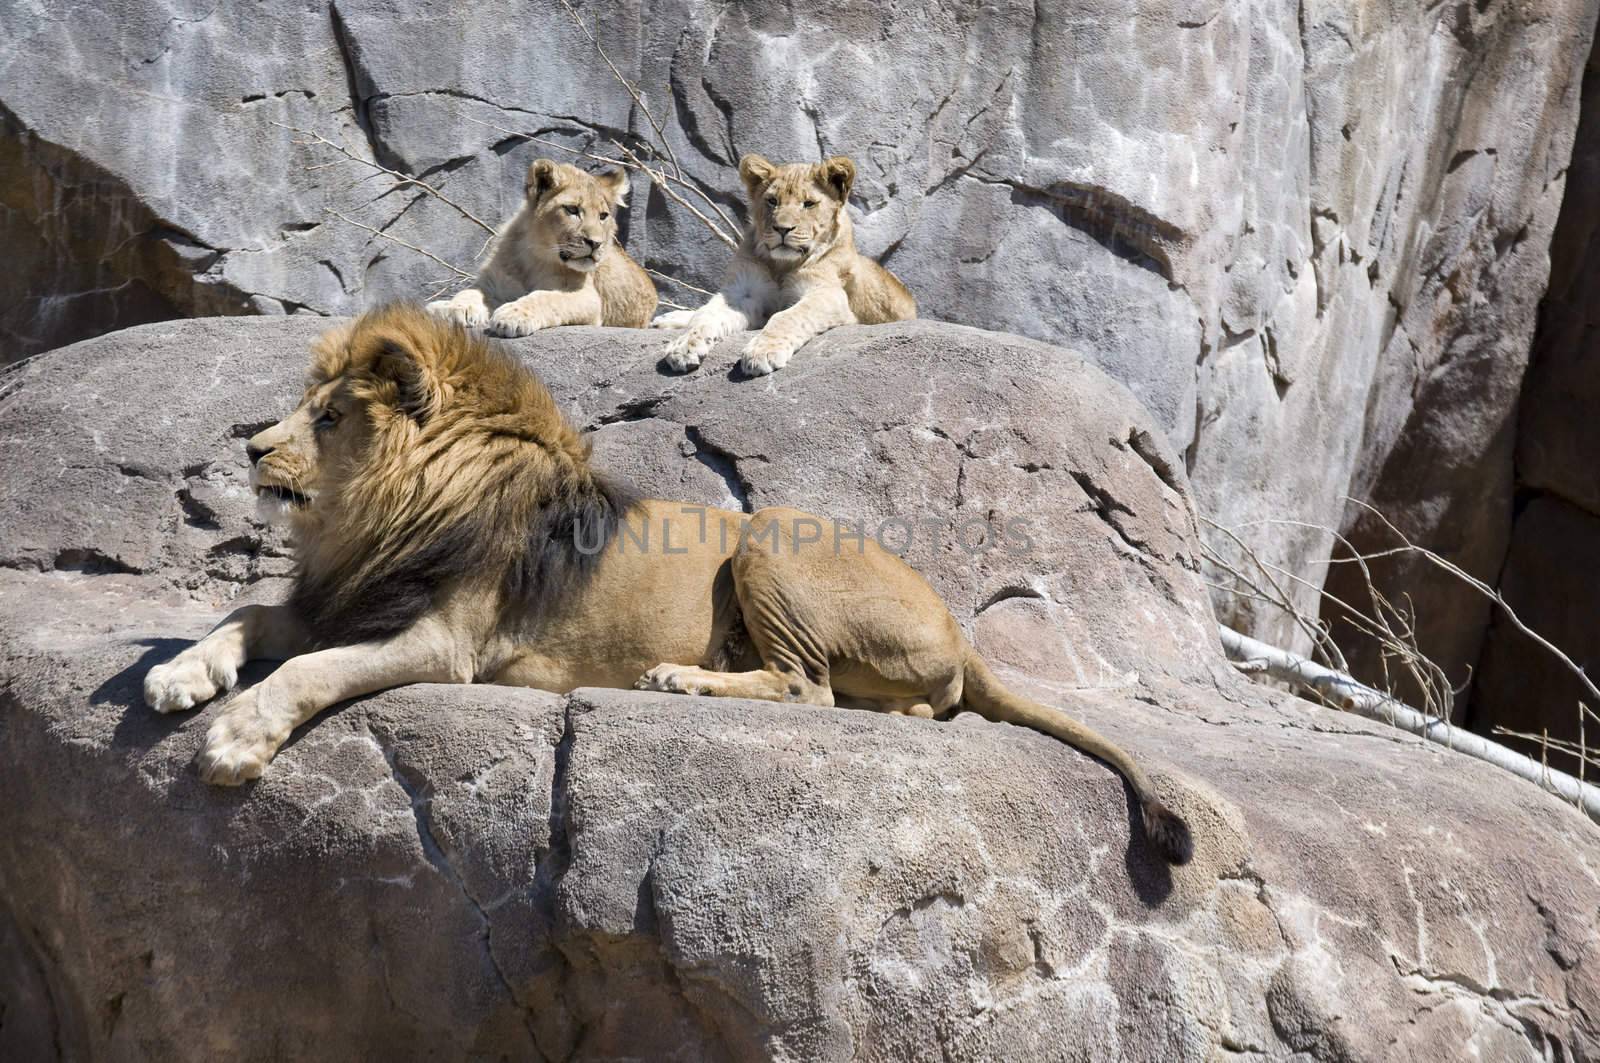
(796, 273)
(431, 428)
(557, 261)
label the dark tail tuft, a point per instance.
(1168, 833)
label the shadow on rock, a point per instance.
(1149, 873)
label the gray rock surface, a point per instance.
(1309, 237)
(480, 872)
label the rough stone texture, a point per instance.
(1310, 237)
(1549, 573)
(459, 871)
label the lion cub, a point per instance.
(796, 274)
(556, 262)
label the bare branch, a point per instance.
(660, 178)
(402, 179)
(673, 280)
(1375, 705)
(458, 271)
(1407, 546)
(661, 134)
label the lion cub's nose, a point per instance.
(255, 453)
(593, 243)
(784, 230)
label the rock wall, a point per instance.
(475, 872)
(1550, 571)
(1310, 237)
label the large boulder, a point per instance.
(483, 872)
(1310, 237)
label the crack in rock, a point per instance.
(418, 791)
(723, 463)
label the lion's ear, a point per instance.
(839, 174)
(615, 182)
(418, 394)
(542, 179)
(753, 170)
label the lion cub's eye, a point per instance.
(810, 203)
(572, 210)
(604, 214)
(772, 201)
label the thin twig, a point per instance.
(660, 178)
(661, 133)
(673, 280)
(395, 239)
(401, 178)
(1388, 625)
(1407, 546)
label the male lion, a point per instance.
(449, 528)
(556, 262)
(796, 273)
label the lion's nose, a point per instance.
(784, 230)
(255, 453)
(593, 243)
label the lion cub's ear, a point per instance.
(615, 183)
(753, 169)
(839, 174)
(543, 178)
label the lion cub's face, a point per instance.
(294, 463)
(795, 209)
(574, 213)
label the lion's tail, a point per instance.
(984, 693)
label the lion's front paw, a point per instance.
(672, 678)
(672, 319)
(764, 354)
(187, 680)
(685, 352)
(241, 742)
(471, 314)
(513, 320)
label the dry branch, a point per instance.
(400, 177)
(662, 180)
(1408, 547)
(395, 239)
(1358, 698)
(661, 134)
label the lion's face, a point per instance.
(574, 213)
(298, 462)
(795, 209)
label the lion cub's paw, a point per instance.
(471, 315)
(764, 354)
(672, 319)
(512, 320)
(672, 678)
(187, 680)
(241, 742)
(684, 352)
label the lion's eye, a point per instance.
(772, 201)
(810, 203)
(604, 214)
(328, 418)
(572, 210)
